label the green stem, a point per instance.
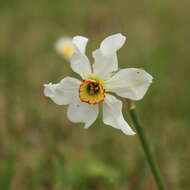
(146, 148)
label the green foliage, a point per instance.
(7, 168)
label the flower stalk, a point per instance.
(150, 159)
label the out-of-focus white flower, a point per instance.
(65, 46)
(98, 80)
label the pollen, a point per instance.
(92, 91)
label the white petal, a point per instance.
(80, 64)
(130, 83)
(106, 57)
(80, 42)
(112, 115)
(112, 43)
(104, 65)
(64, 92)
(82, 112)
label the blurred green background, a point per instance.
(39, 148)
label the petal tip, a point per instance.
(132, 133)
(112, 43)
(129, 132)
(80, 42)
(46, 85)
(86, 126)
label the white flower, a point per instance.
(84, 96)
(65, 46)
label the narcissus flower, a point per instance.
(65, 46)
(98, 85)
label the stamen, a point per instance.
(91, 92)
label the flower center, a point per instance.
(92, 91)
(93, 88)
(67, 49)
